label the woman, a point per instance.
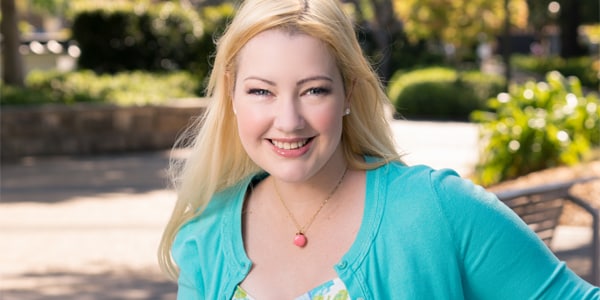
(294, 189)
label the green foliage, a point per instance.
(459, 23)
(12, 95)
(165, 36)
(585, 68)
(51, 7)
(537, 126)
(215, 20)
(126, 88)
(441, 93)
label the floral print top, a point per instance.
(331, 290)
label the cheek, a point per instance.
(326, 121)
(335, 129)
(251, 123)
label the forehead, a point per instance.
(283, 50)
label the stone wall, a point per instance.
(93, 128)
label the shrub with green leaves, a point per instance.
(537, 126)
(585, 68)
(442, 93)
(12, 95)
(154, 37)
(125, 88)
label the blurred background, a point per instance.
(94, 94)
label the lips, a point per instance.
(291, 147)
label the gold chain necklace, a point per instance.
(300, 239)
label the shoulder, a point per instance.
(204, 232)
(442, 201)
(400, 178)
(440, 195)
(204, 244)
(220, 203)
(443, 184)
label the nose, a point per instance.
(288, 115)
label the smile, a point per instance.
(290, 145)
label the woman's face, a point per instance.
(289, 102)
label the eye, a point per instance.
(317, 91)
(258, 92)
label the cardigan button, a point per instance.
(343, 264)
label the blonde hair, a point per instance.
(217, 159)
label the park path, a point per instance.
(87, 227)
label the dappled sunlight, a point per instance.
(71, 177)
(84, 232)
(140, 284)
(89, 240)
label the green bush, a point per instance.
(157, 37)
(442, 93)
(10, 95)
(537, 126)
(586, 68)
(126, 88)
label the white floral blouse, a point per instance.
(331, 290)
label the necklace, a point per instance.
(300, 239)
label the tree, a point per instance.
(385, 27)
(570, 20)
(378, 17)
(459, 23)
(570, 15)
(13, 71)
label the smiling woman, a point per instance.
(289, 100)
(294, 189)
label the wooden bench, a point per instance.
(541, 206)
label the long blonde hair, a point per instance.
(217, 159)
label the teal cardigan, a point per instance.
(425, 234)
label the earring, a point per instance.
(235, 111)
(347, 111)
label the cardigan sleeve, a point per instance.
(185, 253)
(502, 258)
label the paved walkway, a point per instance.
(88, 227)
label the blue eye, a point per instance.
(259, 92)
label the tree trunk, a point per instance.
(360, 18)
(570, 19)
(12, 62)
(385, 27)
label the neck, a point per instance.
(306, 195)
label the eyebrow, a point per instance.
(314, 78)
(300, 82)
(269, 82)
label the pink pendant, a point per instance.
(300, 240)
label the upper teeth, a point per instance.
(288, 146)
